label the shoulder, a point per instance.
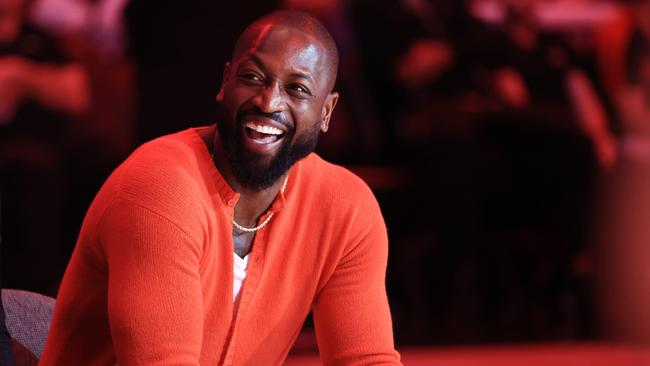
(177, 148)
(339, 191)
(164, 175)
(153, 198)
(329, 178)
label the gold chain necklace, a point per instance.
(266, 221)
(268, 218)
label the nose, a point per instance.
(269, 98)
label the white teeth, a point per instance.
(267, 130)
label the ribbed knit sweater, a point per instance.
(150, 280)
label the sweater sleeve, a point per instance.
(351, 313)
(155, 311)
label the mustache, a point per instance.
(256, 112)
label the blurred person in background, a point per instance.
(540, 72)
(503, 131)
(92, 34)
(622, 234)
(34, 68)
(622, 46)
(40, 93)
(541, 149)
(413, 68)
(622, 231)
(623, 49)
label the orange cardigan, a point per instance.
(150, 280)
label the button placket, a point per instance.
(247, 291)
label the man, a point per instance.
(157, 276)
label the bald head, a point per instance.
(294, 20)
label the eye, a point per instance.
(251, 78)
(299, 90)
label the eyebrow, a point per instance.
(304, 75)
(258, 62)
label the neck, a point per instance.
(252, 203)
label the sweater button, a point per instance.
(232, 202)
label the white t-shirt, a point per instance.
(240, 267)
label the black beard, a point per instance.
(249, 168)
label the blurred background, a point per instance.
(506, 141)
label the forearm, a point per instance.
(588, 108)
(351, 313)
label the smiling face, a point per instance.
(274, 102)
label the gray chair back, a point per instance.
(28, 317)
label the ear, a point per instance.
(226, 76)
(328, 108)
